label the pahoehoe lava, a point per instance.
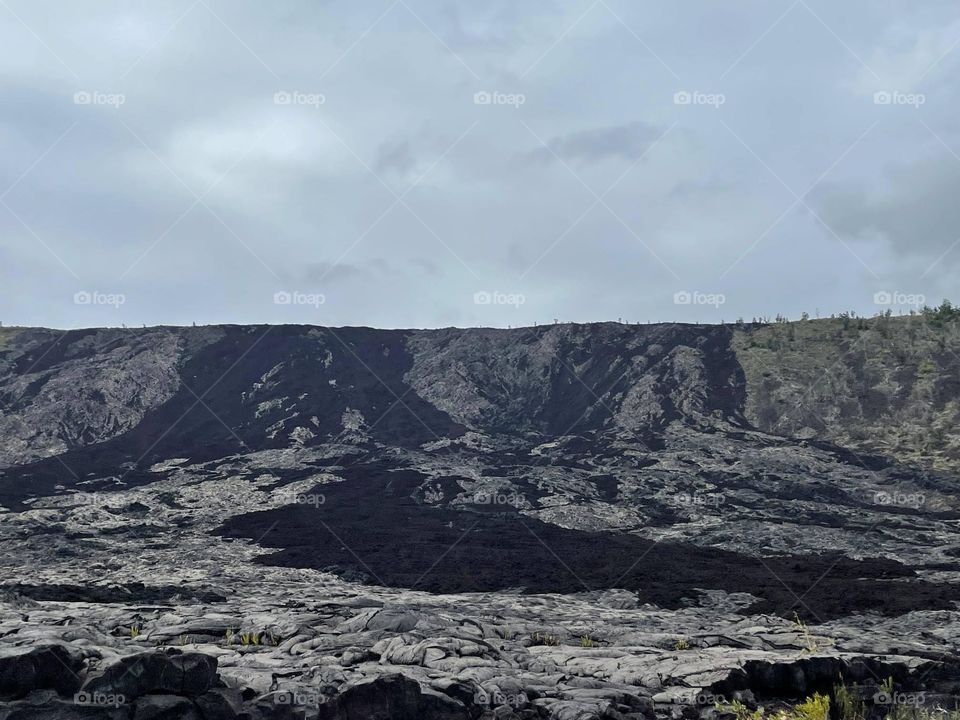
(371, 527)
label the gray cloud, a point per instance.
(200, 196)
(624, 142)
(915, 212)
(325, 272)
(395, 155)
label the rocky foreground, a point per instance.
(566, 522)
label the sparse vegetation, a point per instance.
(940, 316)
(741, 711)
(681, 644)
(249, 638)
(881, 385)
(6, 336)
(816, 707)
(849, 703)
(539, 638)
(587, 642)
(810, 644)
(135, 630)
(919, 713)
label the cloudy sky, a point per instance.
(423, 163)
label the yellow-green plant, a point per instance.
(587, 642)
(228, 637)
(741, 711)
(540, 638)
(135, 631)
(899, 711)
(937, 713)
(850, 704)
(250, 638)
(810, 644)
(681, 644)
(816, 707)
(813, 708)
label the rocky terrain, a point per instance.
(570, 521)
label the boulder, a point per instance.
(171, 672)
(52, 667)
(283, 705)
(393, 697)
(219, 704)
(390, 619)
(165, 707)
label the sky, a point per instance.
(428, 163)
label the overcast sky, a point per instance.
(424, 163)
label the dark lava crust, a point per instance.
(371, 527)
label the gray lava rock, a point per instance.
(392, 697)
(189, 674)
(165, 707)
(48, 667)
(219, 704)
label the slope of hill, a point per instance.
(885, 385)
